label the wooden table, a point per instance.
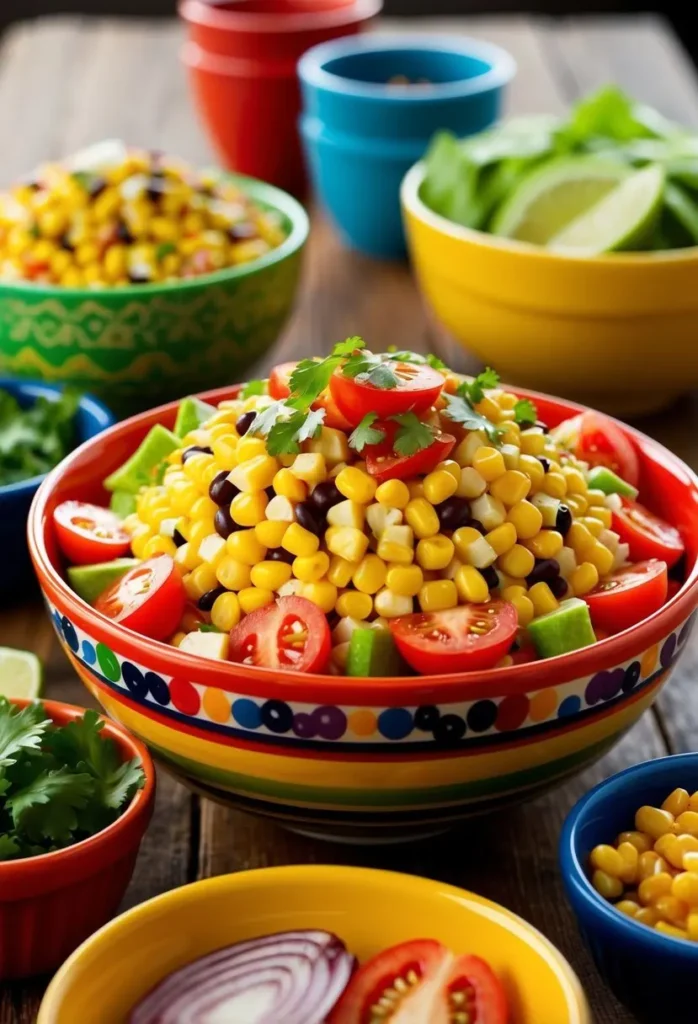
(67, 82)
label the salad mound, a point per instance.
(374, 515)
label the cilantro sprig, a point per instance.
(285, 428)
(58, 784)
(461, 407)
(525, 411)
(412, 435)
(366, 433)
(34, 440)
(312, 376)
(474, 390)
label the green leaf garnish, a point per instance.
(435, 362)
(525, 411)
(459, 409)
(286, 435)
(412, 435)
(312, 376)
(164, 249)
(20, 731)
(34, 440)
(267, 418)
(474, 390)
(208, 627)
(405, 356)
(365, 433)
(254, 387)
(370, 369)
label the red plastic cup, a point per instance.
(241, 59)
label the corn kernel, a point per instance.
(309, 467)
(489, 463)
(404, 580)
(270, 534)
(640, 840)
(309, 568)
(604, 515)
(532, 441)
(177, 638)
(594, 526)
(422, 517)
(290, 486)
(332, 444)
(628, 907)
(244, 546)
(250, 447)
(502, 538)
(524, 606)
(554, 484)
(651, 863)
(607, 886)
(533, 469)
(438, 595)
(248, 507)
(526, 519)
(449, 466)
(416, 488)
(252, 598)
(676, 803)
(547, 544)
(471, 484)
(300, 541)
(396, 544)
(511, 488)
(601, 557)
(654, 821)
(159, 546)
(359, 606)
(225, 613)
(471, 585)
(693, 802)
(439, 485)
(669, 929)
(369, 576)
(473, 548)
(356, 485)
(340, 571)
(631, 860)
(347, 542)
(224, 452)
(650, 889)
(596, 498)
(270, 575)
(393, 493)
(390, 605)
(187, 557)
(200, 530)
(581, 541)
(647, 916)
(671, 909)
(349, 513)
(518, 561)
(687, 821)
(434, 552)
(576, 484)
(256, 474)
(543, 599)
(607, 859)
(685, 888)
(584, 579)
(690, 862)
(322, 593)
(232, 574)
(280, 510)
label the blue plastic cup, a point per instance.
(362, 133)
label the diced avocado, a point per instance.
(566, 629)
(372, 652)
(139, 470)
(191, 414)
(122, 503)
(89, 581)
(602, 479)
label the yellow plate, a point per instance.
(369, 910)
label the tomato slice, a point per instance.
(149, 599)
(628, 596)
(439, 988)
(292, 633)
(88, 533)
(279, 387)
(647, 535)
(419, 386)
(596, 439)
(464, 639)
(385, 464)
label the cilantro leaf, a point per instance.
(345, 348)
(120, 785)
(46, 808)
(164, 249)
(435, 362)
(312, 376)
(208, 627)
(474, 391)
(9, 847)
(267, 418)
(311, 426)
(405, 356)
(365, 433)
(34, 440)
(525, 411)
(285, 436)
(254, 387)
(79, 745)
(412, 435)
(20, 731)
(459, 409)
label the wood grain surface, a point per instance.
(67, 82)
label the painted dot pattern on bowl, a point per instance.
(480, 722)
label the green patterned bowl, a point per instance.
(141, 345)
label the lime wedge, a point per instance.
(21, 674)
(622, 220)
(552, 196)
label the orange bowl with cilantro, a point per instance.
(76, 796)
(311, 592)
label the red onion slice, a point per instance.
(294, 977)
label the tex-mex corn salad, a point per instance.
(375, 515)
(115, 216)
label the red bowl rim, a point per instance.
(327, 688)
(197, 12)
(87, 850)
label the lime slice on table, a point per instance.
(624, 219)
(21, 674)
(552, 196)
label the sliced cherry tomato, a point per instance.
(628, 596)
(385, 464)
(673, 589)
(149, 599)
(601, 443)
(292, 633)
(88, 533)
(279, 387)
(418, 388)
(464, 639)
(447, 986)
(647, 534)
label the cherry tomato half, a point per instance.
(292, 633)
(418, 388)
(446, 984)
(602, 443)
(88, 533)
(628, 596)
(279, 379)
(647, 534)
(464, 639)
(385, 464)
(149, 599)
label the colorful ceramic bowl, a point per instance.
(241, 60)
(362, 132)
(586, 328)
(144, 343)
(641, 965)
(50, 904)
(366, 759)
(369, 910)
(15, 499)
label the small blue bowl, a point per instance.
(91, 419)
(362, 134)
(653, 974)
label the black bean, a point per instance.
(545, 463)
(221, 490)
(224, 523)
(490, 577)
(545, 570)
(206, 601)
(270, 492)
(453, 513)
(558, 585)
(245, 422)
(155, 188)
(280, 555)
(310, 519)
(66, 244)
(178, 538)
(563, 520)
(325, 495)
(195, 449)
(123, 234)
(139, 277)
(541, 426)
(96, 186)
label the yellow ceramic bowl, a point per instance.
(369, 910)
(615, 332)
